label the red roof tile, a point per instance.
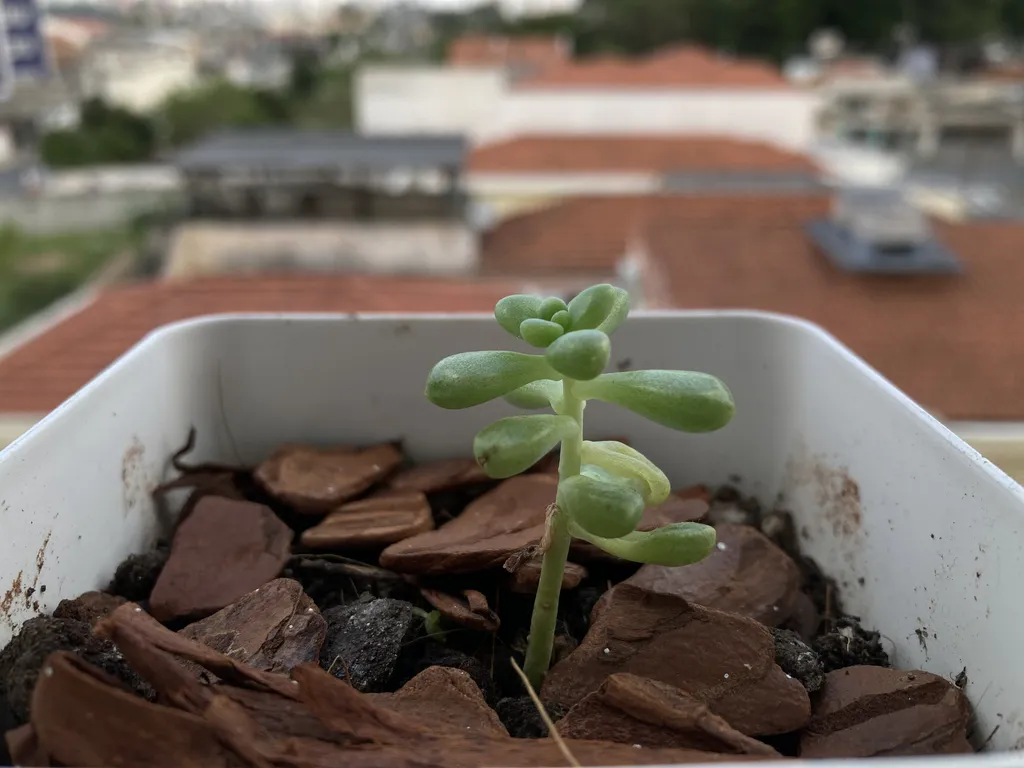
(591, 233)
(579, 234)
(527, 55)
(640, 154)
(950, 342)
(42, 373)
(685, 66)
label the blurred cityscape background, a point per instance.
(859, 164)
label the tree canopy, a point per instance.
(775, 29)
(316, 97)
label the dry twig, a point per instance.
(552, 731)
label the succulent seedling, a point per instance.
(603, 487)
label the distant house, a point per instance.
(265, 67)
(533, 170)
(519, 57)
(272, 200)
(685, 90)
(518, 9)
(138, 71)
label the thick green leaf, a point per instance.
(513, 445)
(535, 395)
(617, 314)
(512, 310)
(563, 318)
(604, 506)
(671, 545)
(683, 400)
(472, 378)
(619, 459)
(603, 307)
(539, 333)
(593, 305)
(552, 306)
(580, 355)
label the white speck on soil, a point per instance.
(721, 546)
(775, 608)
(48, 671)
(138, 610)
(607, 650)
(726, 675)
(748, 666)
(637, 746)
(291, 626)
(789, 677)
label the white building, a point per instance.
(680, 91)
(139, 73)
(518, 9)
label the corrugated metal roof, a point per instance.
(310, 150)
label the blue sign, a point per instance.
(23, 36)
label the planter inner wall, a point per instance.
(922, 534)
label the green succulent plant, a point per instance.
(603, 487)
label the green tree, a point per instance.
(106, 134)
(66, 149)
(782, 27)
(190, 115)
(305, 74)
(329, 106)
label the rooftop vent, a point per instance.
(875, 230)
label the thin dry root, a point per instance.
(548, 722)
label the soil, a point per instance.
(382, 634)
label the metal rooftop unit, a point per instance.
(297, 150)
(877, 231)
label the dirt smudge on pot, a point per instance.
(133, 476)
(836, 493)
(40, 564)
(10, 596)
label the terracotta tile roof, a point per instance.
(528, 55)
(685, 66)
(639, 154)
(41, 374)
(579, 234)
(950, 342)
(592, 233)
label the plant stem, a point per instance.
(545, 606)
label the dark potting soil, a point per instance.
(135, 578)
(22, 659)
(378, 636)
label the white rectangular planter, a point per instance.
(923, 534)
